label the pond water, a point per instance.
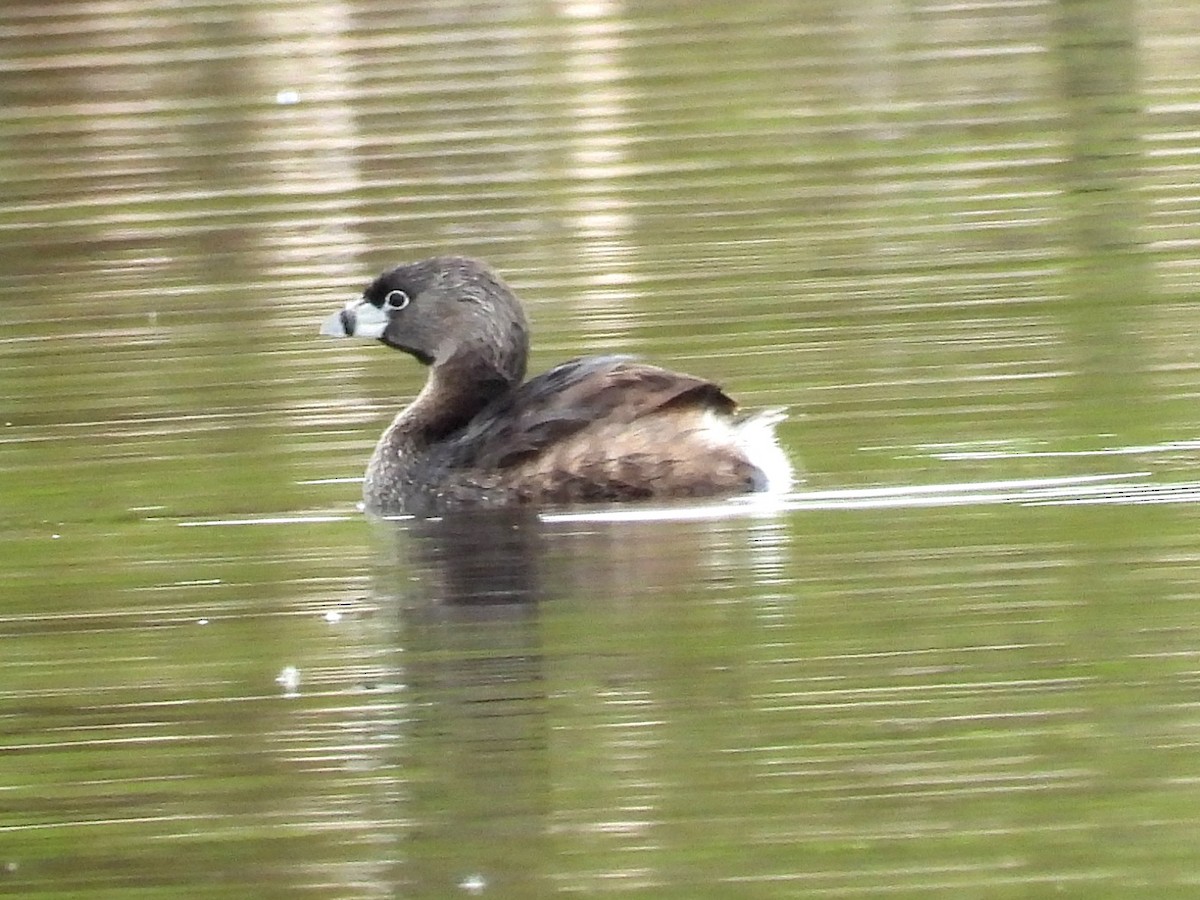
(957, 241)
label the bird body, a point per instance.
(593, 429)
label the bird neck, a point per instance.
(455, 392)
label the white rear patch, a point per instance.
(755, 437)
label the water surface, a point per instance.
(956, 241)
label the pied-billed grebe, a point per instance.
(594, 429)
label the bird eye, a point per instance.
(395, 301)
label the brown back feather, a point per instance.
(577, 395)
(604, 428)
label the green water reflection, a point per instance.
(958, 242)
(850, 702)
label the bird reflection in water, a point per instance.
(473, 748)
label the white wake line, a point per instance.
(1003, 453)
(1121, 488)
(271, 520)
(1068, 489)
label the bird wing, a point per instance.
(591, 392)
